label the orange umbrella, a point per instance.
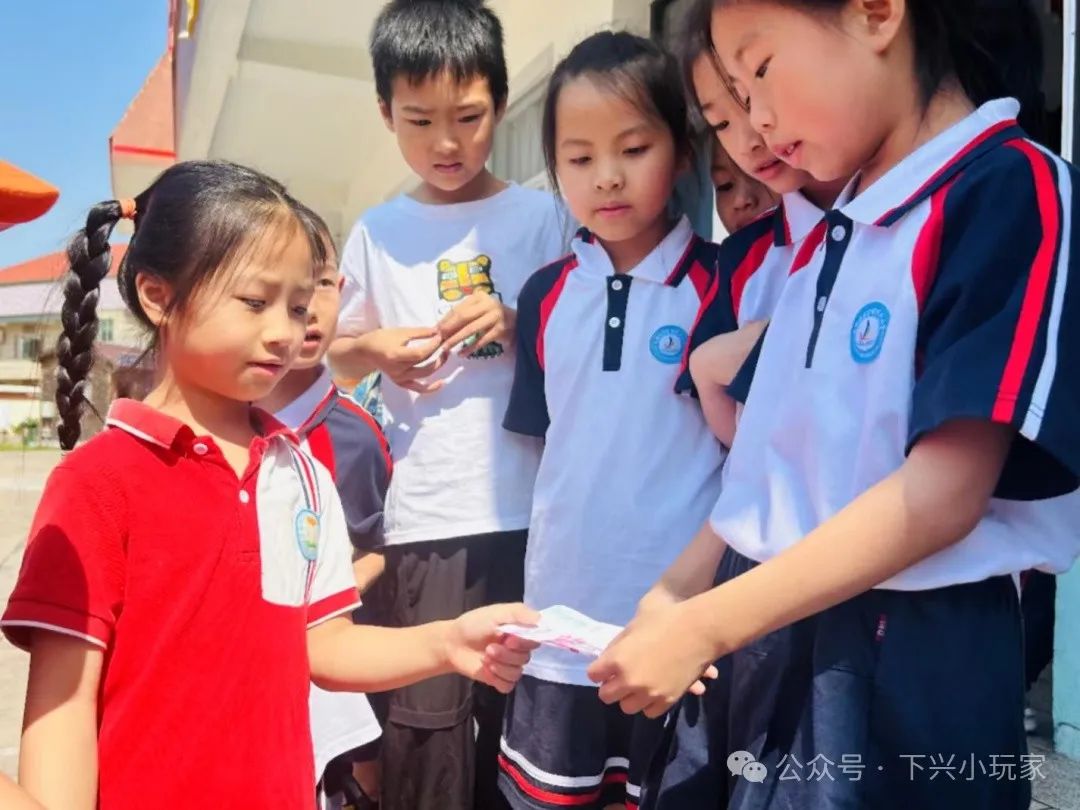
(23, 196)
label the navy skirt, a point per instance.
(893, 699)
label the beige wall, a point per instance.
(15, 369)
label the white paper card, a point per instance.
(567, 629)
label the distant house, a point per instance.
(31, 294)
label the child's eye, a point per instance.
(255, 304)
(579, 161)
(469, 119)
(763, 68)
(326, 282)
(723, 188)
(419, 122)
(637, 150)
(721, 126)
(300, 311)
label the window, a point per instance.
(28, 347)
(105, 330)
(517, 154)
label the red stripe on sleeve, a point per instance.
(924, 264)
(332, 606)
(1038, 285)
(681, 263)
(979, 139)
(323, 449)
(369, 420)
(547, 306)
(747, 267)
(807, 248)
(702, 279)
(706, 302)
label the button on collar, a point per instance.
(200, 448)
(244, 496)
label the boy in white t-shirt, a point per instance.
(431, 283)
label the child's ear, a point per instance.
(387, 115)
(877, 22)
(340, 283)
(155, 295)
(500, 111)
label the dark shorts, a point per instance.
(440, 739)
(562, 747)
(892, 700)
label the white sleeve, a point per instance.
(333, 586)
(358, 314)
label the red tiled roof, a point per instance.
(50, 267)
(146, 130)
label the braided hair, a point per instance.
(194, 220)
(89, 258)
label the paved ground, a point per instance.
(22, 476)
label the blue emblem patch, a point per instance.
(868, 332)
(668, 344)
(307, 534)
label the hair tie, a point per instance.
(127, 208)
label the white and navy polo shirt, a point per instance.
(758, 259)
(629, 469)
(942, 292)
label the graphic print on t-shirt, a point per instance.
(460, 279)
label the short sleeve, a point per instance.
(1000, 327)
(73, 572)
(739, 387)
(333, 586)
(358, 314)
(527, 411)
(716, 316)
(363, 475)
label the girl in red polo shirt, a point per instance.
(188, 569)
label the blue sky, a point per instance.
(67, 72)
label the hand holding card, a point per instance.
(567, 629)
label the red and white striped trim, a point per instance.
(54, 628)
(1037, 289)
(1045, 379)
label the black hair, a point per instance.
(194, 220)
(636, 68)
(695, 41)
(420, 39)
(993, 48)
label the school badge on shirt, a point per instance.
(668, 343)
(868, 332)
(307, 534)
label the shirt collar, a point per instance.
(933, 164)
(794, 218)
(661, 265)
(154, 427)
(302, 410)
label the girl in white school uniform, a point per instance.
(908, 441)
(628, 468)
